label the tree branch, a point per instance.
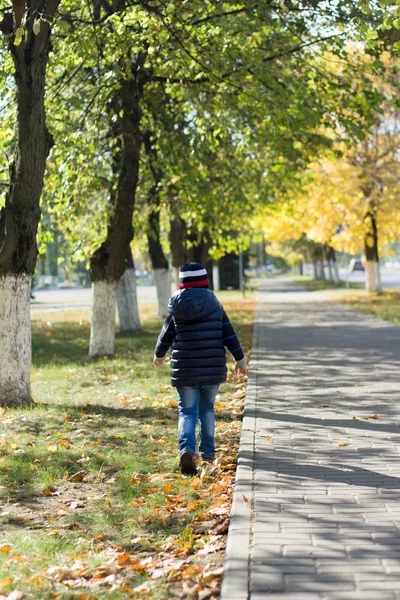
(51, 7)
(18, 10)
(218, 16)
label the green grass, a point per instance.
(385, 306)
(314, 285)
(89, 473)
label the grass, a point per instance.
(314, 285)
(93, 505)
(385, 306)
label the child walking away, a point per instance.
(198, 330)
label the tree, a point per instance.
(27, 27)
(254, 82)
(350, 201)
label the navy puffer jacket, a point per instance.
(197, 352)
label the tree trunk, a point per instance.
(20, 216)
(301, 267)
(315, 269)
(373, 277)
(15, 340)
(332, 265)
(102, 330)
(177, 240)
(127, 303)
(158, 259)
(322, 275)
(215, 269)
(108, 262)
(330, 271)
(176, 277)
(198, 252)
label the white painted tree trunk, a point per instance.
(216, 282)
(330, 271)
(127, 303)
(373, 277)
(163, 285)
(176, 277)
(15, 340)
(102, 329)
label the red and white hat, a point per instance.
(192, 275)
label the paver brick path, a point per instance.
(316, 511)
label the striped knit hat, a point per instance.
(192, 275)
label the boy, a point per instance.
(198, 330)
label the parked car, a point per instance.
(356, 264)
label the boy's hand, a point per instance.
(240, 371)
(158, 361)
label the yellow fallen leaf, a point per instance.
(125, 560)
(245, 499)
(5, 549)
(54, 532)
(36, 579)
(343, 444)
(49, 491)
(77, 477)
(6, 581)
(134, 481)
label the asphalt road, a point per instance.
(62, 299)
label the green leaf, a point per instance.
(36, 27)
(19, 34)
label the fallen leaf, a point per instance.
(15, 558)
(5, 549)
(76, 504)
(5, 582)
(50, 491)
(134, 481)
(245, 499)
(343, 444)
(125, 560)
(77, 477)
(15, 595)
(36, 579)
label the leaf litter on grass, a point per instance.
(117, 520)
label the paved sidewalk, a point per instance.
(316, 512)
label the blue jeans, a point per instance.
(197, 404)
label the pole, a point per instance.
(241, 278)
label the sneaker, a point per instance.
(208, 459)
(187, 464)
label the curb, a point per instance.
(235, 583)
